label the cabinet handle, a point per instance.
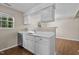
(40, 39)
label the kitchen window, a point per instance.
(6, 21)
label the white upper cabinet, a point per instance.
(25, 20)
(42, 13)
(47, 14)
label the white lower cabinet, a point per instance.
(31, 45)
(28, 44)
(42, 46)
(25, 43)
(38, 45)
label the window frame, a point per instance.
(7, 16)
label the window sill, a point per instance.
(6, 28)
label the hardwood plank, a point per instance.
(67, 47)
(16, 51)
(63, 47)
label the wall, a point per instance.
(33, 20)
(67, 28)
(36, 13)
(8, 37)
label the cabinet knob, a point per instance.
(40, 39)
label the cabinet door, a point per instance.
(28, 43)
(25, 43)
(47, 14)
(41, 46)
(44, 46)
(36, 46)
(25, 19)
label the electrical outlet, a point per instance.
(77, 50)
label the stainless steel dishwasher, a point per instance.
(20, 40)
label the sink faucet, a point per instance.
(39, 24)
(34, 30)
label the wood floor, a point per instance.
(67, 47)
(63, 47)
(16, 51)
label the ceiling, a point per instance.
(23, 7)
(62, 9)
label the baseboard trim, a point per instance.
(8, 48)
(67, 39)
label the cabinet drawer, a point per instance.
(44, 41)
(44, 50)
(28, 37)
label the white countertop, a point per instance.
(39, 33)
